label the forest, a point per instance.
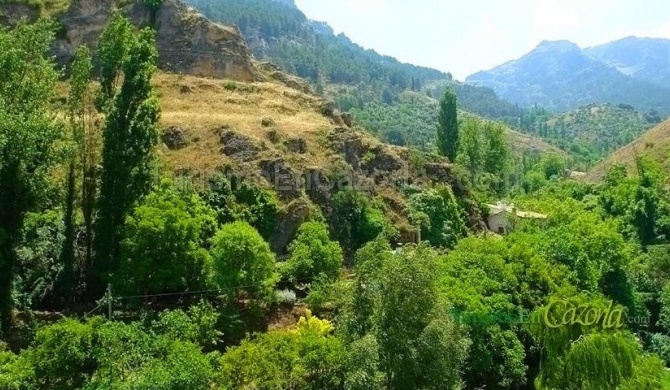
(116, 274)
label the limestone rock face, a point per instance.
(11, 14)
(187, 41)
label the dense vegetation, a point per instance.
(590, 132)
(579, 300)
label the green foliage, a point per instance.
(303, 358)
(439, 215)
(129, 136)
(63, 355)
(578, 353)
(313, 254)
(165, 245)
(78, 107)
(197, 326)
(38, 254)
(243, 262)
(447, 128)
(638, 200)
(28, 139)
(418, 345)
(356, 221)
(590, 132)
(241, 202)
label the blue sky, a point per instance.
(466, 36)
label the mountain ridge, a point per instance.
(561, 76)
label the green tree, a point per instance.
(79, 121)
(243, 262)
(313, 254)
(62, 355)
(582, 356)
(403, 323)
(28, 137)
(471, 148)
(165, 245)
(440, 216)
(447, 129)
(306, 357)
(356, 221)
(129, 136)
(496, 156)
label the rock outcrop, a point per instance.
(187, 41)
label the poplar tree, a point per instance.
(447, 129)
(130, 136)
(79, 134)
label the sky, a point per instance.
(463, 37)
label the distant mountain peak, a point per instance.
(561, 45)
(560, 76)
(288, 3)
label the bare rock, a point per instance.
(348, 144)
(13, 13)
(237, 145)
(282, 177)
(383, 161)
(187, 41)
(267, 122)
(174, 137)
(289, 220)
(296, 145)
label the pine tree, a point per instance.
(447, 130)
(129, 137)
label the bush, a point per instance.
(62, 357)
(243, 262)
(302, 358)
(313, 254)
(241, 202)
(439, 216)
(197, 326)
(164, 249)
(285, 297)
(356, 221)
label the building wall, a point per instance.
(499, 223)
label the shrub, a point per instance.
(313, 254)
(164, 245)
(243, 262)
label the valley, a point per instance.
(229, 195)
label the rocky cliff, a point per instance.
(187, 42)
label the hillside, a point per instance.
(654, 144)
(418, 112)
(347, 73)
(272, 135)
(646, 59)
(590, 132)
(560, 76)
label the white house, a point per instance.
(501, 217)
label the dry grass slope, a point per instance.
(204, 106)
(654, 144)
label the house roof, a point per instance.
(510, 209)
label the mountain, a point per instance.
(349, 74)
(560, 76)
(654, 144)
(187, 42)
(646, 59)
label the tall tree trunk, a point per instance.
(6, 280)
(66, 280)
